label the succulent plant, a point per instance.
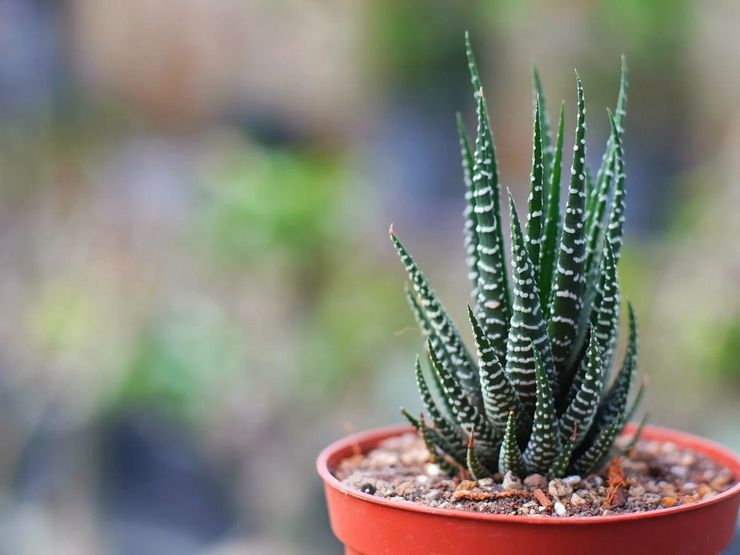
(538, 396)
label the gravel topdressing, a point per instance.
(655, 475)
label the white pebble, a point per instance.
(559, 509)
(432, 469)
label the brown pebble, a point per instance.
(535, 481)
(668, 501)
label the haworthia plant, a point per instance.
(538, 395)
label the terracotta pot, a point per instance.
(368, 525)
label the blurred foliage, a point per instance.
(264, 204)
(181, 361)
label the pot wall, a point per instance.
(368, 525)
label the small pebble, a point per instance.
(432, 469)
(688, 487)
(680, 471)
(577, 500)
(433, 495)
(636, 490)
(572, 481)
(511, 482)
(405, 488)
(485, 482)
(651, 498)
(558, 489)
(559, 509)
(535, 481)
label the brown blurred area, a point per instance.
(197, 287)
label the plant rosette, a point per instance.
(367, 524)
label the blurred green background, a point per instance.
(198, 291)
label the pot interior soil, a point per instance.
(654, 475)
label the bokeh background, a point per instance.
(198, 292)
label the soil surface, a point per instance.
(654, 475)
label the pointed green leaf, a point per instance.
(581, 411)
(499, 395)
(471, 222)
(605, 317)
(592, 459)
(620, 115)
(424, 325)
(535, 204)
(636, 436)
(476, 469)
(570, 279)
(446, 342)
(597, 215)
(616, 218)
(437, 451)
(602, 308)
(551, 232)
(562, 461)
(637, 402)
(510, 457)
(527, 334)
(493, 287)
(548, 151)
(452, 438)
(464, 411)
(544, 441)
(615, 400)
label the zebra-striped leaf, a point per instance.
(464, 411)
(476, 469)
(436, 448)
(510, 457)
(452, 439)
(544, 441)
(552, 230)
(581, 411)
(493, 287)
(445, 341)
(620, 115)
(592, 459)
(527, 334)
(471, 235)
(562, 461)
(616, 218)
(570, 278)
(548, 151)
(535, 203)
(499, 395)
(615, 400)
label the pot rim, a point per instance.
(649, 432)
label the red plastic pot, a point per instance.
(368, 525)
